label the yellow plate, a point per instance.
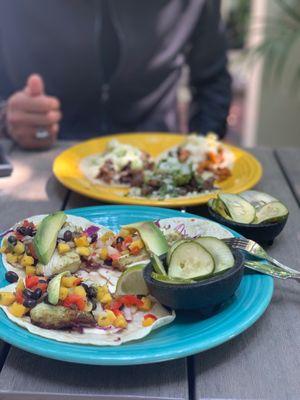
(246, 172)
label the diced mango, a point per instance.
(103, 253)
(81, 241)
(138, 244)
(20, 285)
(27, 261)
(147, 304)
(102, 291)
(107, 235)
(106, 299)
(106, 318)
(7, 298)
(80, 291)
(3, 249)
(69, 281)
(11, 258)
(63, 248)
(120, 322)
(63, 293)
(30, 270)
(83, 251)
(19, 248)
(17, 310)
(148, 321)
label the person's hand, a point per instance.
(30, 111)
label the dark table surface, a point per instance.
(261, 363)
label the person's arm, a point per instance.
(209, 79)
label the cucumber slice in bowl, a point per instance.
(256, 198)
(190, 260)
(238, 208)
(172, 248)
(158, 265)
(271, 212)
(220, 252)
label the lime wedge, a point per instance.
(168, 279)
(132, 282)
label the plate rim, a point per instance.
(186, 201)
(168, 354)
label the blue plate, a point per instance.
(185, 336)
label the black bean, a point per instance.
(92, 292)
(11, 277)
(68, 236)
(12, 240)
(120, 239)
(30, 231)
(43, 281)
(85, 287)
(22, 230)
(28, 293)
(94, 237)
(94, 303)
(37, 294)
(29, 303)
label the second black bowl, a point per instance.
(203, 295)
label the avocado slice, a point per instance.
(153, 238)
(54, 286)
(46, 236)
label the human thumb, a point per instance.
(35, 85)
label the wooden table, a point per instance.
(261, 363)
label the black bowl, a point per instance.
(261, 233)
(204, 295)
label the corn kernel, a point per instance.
(19, 248)
(63, 293)
(81, 241)
(103, 253)
(17, 310)
(106, 299)
(30, 270)
(106, 318)
(102, 291)
(11, 258)
(63, 248)
(148, 321)
(147, 304)
(83, 251)
(69, 281)
(80, 291)
(7, 298)
(120, 322)
(20, 285)
(27, 261)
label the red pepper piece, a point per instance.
(19, 296)
(74, 299)
(150, 316)
(31, 281)
(131, 300)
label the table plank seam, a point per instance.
(285, 174)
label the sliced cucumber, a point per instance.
(220, 252)
(238, 208)
(256, 198)
(271, 212)
(172, 248)
(167, 279)
(158, 266)
(221, 209)
(191, 261)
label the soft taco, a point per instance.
(68, 310)
(49, 244)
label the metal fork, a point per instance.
(254, 249)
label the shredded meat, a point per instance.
(106, 172)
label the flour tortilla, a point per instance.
(97, 336)
(77, 221)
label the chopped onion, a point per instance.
(91, 230)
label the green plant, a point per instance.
(281, 35)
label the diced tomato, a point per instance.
(128, 240)
(131, 300)
(31, 250)
(42, 285)
(115, 305)
(74, 299)
(117, 312)
(19, 296)
(150, 316)
(77, 282)
(31, 281)
(115, 257)
(134, 250)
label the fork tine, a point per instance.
(236, 242)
